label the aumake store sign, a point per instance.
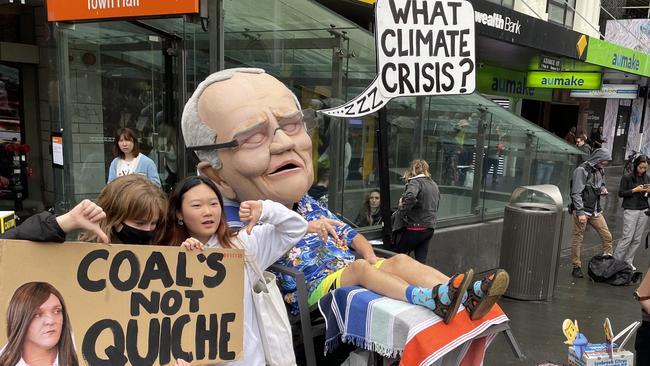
(564, 80)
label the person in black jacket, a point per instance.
(415, 218)
(634, 191)
(46, 227)
(134, 208)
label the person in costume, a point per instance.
(248, 130)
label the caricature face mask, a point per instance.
(272, 159)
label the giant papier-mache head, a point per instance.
(248, 130)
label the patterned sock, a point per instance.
(476, 287)
(420, 296)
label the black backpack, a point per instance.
(606, 268)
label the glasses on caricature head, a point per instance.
(259, 133)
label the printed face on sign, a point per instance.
(45, 328)
(423, 48)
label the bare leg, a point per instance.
(362, 273)
(413, 272)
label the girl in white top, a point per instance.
(196, 221)
(129, 160)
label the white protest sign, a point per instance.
(424, 47)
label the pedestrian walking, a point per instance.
(415, 218)
(582, 145)
(597, 139)
(587, 186)
(634, 191)
(129, 160)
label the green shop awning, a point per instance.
(617, 57)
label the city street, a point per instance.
(537, 326)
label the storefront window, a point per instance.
(9, 27)
(561, 12)
(10, 121)
(505, 3)
(118, 74)
(11, 129)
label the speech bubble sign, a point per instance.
(424, 47)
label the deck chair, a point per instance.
(309, 323)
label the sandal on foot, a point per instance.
(457, 287)
(493, 287)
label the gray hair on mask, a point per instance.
(197, 133)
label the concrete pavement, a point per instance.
(537, 325)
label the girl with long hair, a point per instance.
(196, 220)
(415, 218)
(135, 211)
(128, 159)
(634, 190)
(370, 213)
(129, 210)
(38, 328)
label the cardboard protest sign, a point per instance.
(424, 47)
(136, 305)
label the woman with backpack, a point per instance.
(634, 190)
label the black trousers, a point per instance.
(642, 344)
(414, 240)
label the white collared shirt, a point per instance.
(23, 363)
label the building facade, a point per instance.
(93, 76)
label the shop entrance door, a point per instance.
(619, 145)
(119, 75)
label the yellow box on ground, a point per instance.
(7, 220)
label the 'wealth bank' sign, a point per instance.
(496, 20)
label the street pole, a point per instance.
(645, 104)
(383, 133)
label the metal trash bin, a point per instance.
(530, 242)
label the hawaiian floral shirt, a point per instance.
(312, 256)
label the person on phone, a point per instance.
(587, 185)
(634, 191)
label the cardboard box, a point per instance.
(7, 220)
(596, 355)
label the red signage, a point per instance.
(67, 10)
